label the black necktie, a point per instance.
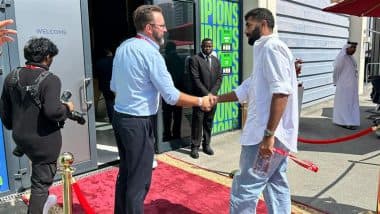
(208, 61)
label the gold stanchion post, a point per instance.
(66, 160)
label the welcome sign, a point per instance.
(220, 22)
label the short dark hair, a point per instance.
(37, 49)
(170, 46)
(143, 15)
(261, 14)
(206, 40)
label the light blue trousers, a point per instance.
(247, 186)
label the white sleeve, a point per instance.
(338, 67)
(242, 90)
(277, 71)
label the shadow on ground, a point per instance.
(164, 206)
(329, 204)
(321, 127)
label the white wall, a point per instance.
(358, 27)
(313, 29)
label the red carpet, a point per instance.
(172, 191)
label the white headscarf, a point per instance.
(341, 60)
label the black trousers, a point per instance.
(201, 122)
(172, 116)
(135, 142)
(42, 178)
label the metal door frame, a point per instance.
(10, 59)
(92, 163)
(17, 168)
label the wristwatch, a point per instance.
(268, 133)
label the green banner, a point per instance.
(220, 22)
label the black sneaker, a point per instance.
(352, 127)
(194, 153)
(207, 149)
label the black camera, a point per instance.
(75, 115)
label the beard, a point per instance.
(159, 39)
(255, 35)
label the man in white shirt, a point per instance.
(345, 77)
(272, 121)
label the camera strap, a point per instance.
(30, 90)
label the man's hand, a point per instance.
(206, 104)
(213, 99)
(5, 32)
(266, 146)
(298, 66)
(69, 105)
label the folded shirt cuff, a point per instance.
(281, 88)
(172, 98)
(241, 94)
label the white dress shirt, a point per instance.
(273, 73)
(208, 59)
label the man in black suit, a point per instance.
(206, 74)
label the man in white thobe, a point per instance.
(346, 103)
(272, 121)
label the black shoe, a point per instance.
(18, 152)
(350, 127)
(207, 149)
(194, 153)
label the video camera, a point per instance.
(75, 115)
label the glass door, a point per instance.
(65, 23)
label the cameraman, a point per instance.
(35, 117)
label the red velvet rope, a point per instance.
(304, 163)
(338, 140)
(82, 200)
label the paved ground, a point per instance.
(348, 176)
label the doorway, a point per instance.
(174, 123)
(110, 24)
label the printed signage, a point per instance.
(220, 22)
(227, 40)
(226, 62)
(4, 186)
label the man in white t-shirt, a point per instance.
(272, 121)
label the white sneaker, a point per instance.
(50, 202)
(155, 164)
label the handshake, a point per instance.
(208, 102)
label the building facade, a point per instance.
(312, 35)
